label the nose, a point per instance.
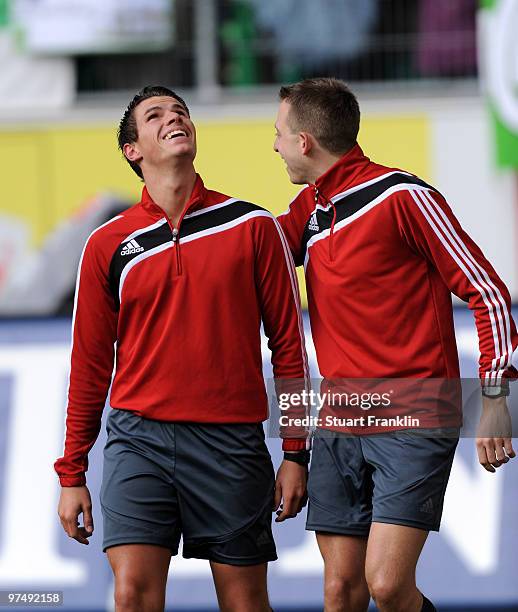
(172, 117)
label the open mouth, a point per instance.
(175, 134)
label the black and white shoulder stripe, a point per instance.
(157, 237)
(353, 203)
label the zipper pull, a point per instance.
(176, 244)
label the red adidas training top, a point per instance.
(180, 312)
(382, 253)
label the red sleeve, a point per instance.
(430, 226)
(94, 332)
(293, 222)
(278, 292)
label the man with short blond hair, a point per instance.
(382, 253)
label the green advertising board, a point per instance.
(499, 67)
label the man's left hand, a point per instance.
(494, 444)
(290, 490)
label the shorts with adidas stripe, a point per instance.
(398, 478)
(211, 484)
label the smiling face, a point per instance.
(165, 133)
(291, 146)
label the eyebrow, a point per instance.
(175, 105)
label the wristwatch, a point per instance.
(501, 390)
(301, 457)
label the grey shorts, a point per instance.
(212, 484)
(398, 478)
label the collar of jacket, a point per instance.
(342, 174)
(195, 201)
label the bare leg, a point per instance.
(345, 587)
(392, 555)
(140, 572)
(241, 588)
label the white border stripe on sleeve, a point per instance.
(144, 230)
(495, 292)
(296, 295)
(74, 311)
(78, 278)
(287, 211)
(202, 211)
(463, 264)
(225, 226)
(356, 188)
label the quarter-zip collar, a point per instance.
(342, 173)
(337, 178)
(195, 201)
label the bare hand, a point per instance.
(494, 444)
(73, 502)
(290, 489)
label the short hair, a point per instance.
(327, 109)
(127, 131)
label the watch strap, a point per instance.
(300, 457)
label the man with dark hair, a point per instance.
(174, 290)
(382, 253)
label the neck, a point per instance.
(172, 189)
(321, 164)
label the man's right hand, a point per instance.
(73, 502)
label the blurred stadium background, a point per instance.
(437, 81)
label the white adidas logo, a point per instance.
(131, 247)
(313, 223)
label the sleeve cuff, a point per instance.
(296, 444)
(72, 481)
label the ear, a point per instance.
(131, 152)
(306, 143)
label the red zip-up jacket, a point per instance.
(383, 252)
(179, 310)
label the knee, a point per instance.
(132, 596)
(128, 596)
(338, 589)
(386, 591)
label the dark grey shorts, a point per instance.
(398, 478)
(211, 484)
